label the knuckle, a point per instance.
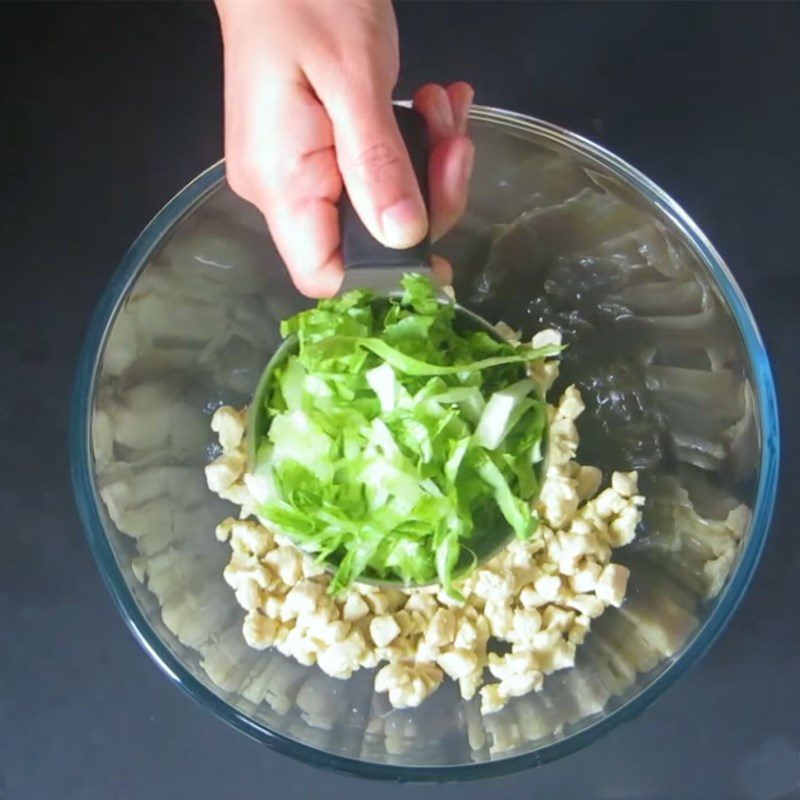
(314, 174)
(378, 163)
(240, 174)
(373, 72)
(248, 175)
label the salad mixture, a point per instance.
(397, 437)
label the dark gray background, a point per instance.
(108, 109)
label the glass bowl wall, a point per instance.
(558, 233)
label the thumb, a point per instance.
(376, 169)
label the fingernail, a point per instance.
(403, 223)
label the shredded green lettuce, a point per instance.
(397, 439)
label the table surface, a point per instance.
(108, 109)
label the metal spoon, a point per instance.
(371, 265)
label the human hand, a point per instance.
(308, 110)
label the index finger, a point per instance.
(297, 187)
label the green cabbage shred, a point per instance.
(397, 439)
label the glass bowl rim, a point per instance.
(87, 500)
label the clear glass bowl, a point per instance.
(558, 232)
